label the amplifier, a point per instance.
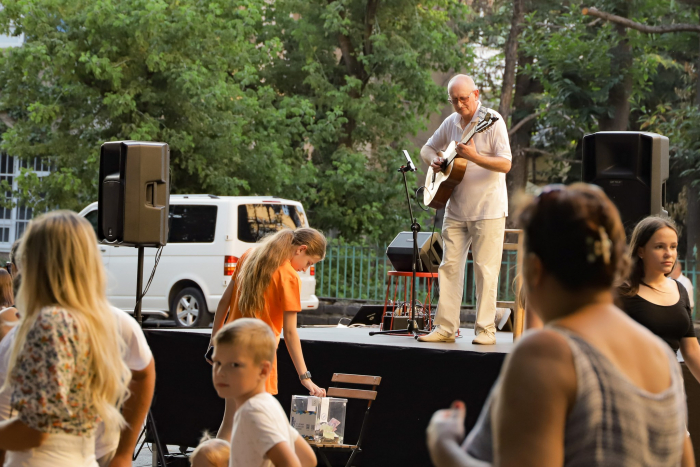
(401, 322)
(400, 252)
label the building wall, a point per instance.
(14, 220)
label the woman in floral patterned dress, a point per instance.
(65, 371)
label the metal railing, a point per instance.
(358, 272)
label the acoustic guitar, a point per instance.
(439, 185)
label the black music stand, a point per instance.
(415, 228)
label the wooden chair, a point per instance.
(347, 393)
(515, 305)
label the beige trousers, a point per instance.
(486, 238)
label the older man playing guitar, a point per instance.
(475, 213)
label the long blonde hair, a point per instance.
(257, 268)
(62, 267)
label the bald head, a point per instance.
(464, 96)
(465, 83)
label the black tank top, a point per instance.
(671, 323)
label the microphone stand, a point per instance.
(412, 327)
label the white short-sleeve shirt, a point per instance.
(688, 287)
(5, 349)
(258, 426)
(138, 356)
(482, 193)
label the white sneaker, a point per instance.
(436, 336)
(502, 315)
(485, 338)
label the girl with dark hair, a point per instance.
(266, 286)
(653, 299)
(8, 312)
(592, 388)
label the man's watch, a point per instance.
(304, 376)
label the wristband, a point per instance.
(304, 376)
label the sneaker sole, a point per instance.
(446, 340)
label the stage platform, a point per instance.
(417, 380)
(504, 340)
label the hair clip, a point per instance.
(600, 247)
(606, 244)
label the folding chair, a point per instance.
(348, 393)
(515, 305)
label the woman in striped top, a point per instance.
(593, 388)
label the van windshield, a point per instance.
(255, 221)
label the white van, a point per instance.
(207, 235)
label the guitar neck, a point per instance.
(465, 140)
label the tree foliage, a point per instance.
(253, 98)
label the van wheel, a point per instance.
(189, 309)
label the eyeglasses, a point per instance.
(461, 100)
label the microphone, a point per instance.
(409, 162)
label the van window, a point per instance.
(192, 223)
(92, 219)
(257, 220)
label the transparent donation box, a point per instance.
(319, 419)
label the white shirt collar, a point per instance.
(475, 117)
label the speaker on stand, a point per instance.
(132, 210)
(400, 251)
(632, 169)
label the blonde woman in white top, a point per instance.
(66, 371)
(8, 312)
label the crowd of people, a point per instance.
(598, 385)
(77, 376)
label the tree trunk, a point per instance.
(692, 223)
(619, 95)
(511, 60)
(516, 179)
(697, 76)
(354, 67)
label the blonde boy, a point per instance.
(211, 452)
(261, 437)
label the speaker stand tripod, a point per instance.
(412, 327)
(150, 422)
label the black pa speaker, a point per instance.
(632, 168)
(134, 193)
(400, 252)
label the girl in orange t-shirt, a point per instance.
(266, 286)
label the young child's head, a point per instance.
(243, 355)
(309, 247)
(302, 247)
(211, 452)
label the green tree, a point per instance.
(309, 100)
(183, 72)
(366, 68)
